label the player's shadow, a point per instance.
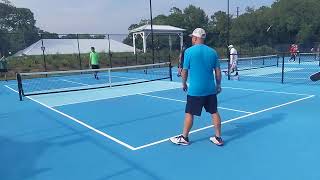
(19, 159)
(237, 130)
(242, 129)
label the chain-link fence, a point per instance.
(60, 52)
(293, 68)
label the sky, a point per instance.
(115, 16)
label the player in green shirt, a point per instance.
(94, 61)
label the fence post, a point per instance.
(79, 54)
(228, 65)
(282, 72)
(110, 56)
(170, 67)
(44, 56)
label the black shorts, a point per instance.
(196, 103)
(95, 66)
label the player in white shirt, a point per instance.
(233, 69)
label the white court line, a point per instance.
(74, 82)
(228, 121)
(75, 78)
(80, 122)
(89, 77)
(177, 100)
(286, 78)
(117, 96)
(266, 91)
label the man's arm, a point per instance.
(184, 75)
(218, 79)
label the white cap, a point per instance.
(199, 32)
(230, 46)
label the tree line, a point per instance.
(284, 22)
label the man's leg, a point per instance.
(211, 107)
(179, 72)
(188, 122)
(184, 139)
(216, 121)
(96, 75)
(291, 58)
(193, 107)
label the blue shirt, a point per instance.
(200, 61)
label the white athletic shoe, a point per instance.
(180, 140)
(217, 140)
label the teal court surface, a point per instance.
(271, 132)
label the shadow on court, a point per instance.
(240, 129)
(18, 159)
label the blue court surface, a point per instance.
(271, 132)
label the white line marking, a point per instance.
(113, 97)
(74, 82)
(80, 122)
(278, 78)
(177, 100)
(267, 91)
(228, 121)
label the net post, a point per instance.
(282, 71)
(278, 60)
(18, 76)
(299, 58)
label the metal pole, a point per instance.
(282, 70)
(228, 40)
(228, 32)
(44, 56)
(237, 12)
(109, 50)
(79, 54)
(151, 21)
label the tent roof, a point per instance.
(70, 46)
(158, 29)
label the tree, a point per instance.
(17, 27)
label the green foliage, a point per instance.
(285, 22)
(257, 31)
(20, 23)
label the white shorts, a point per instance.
(233, 65)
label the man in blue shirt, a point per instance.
(201, 64)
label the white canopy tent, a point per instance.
(70, 46)
(145, 31)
